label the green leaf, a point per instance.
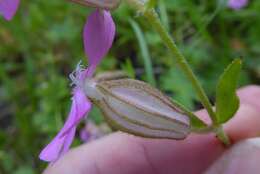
(227, 102)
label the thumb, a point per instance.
(242, 158)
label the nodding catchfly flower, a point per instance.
(129, 105)
(8, 8)
(237, 4)
(98, 35)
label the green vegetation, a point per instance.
(42, 45)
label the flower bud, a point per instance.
(103, 4)
(137, 108)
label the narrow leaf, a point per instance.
(227, 102)
(163, 13)
(144, 51)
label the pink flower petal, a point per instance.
(82, 106)
(98, 35)
(68, 141)
(60, 144)
(237, 4)
(57, 147)
(53, 150)
(8, 8)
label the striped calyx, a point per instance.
(137, 108)
(101, 4)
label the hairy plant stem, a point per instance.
(222, 135)
(218, 130)
(154, 20)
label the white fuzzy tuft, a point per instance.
(76, 76)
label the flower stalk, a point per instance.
(153, 18)
(222, 135)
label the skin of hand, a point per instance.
(121, 153)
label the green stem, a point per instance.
(222, 135)
(153, 18)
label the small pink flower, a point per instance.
(98, 35)
(8, 8)
(91, 132)
(237, 4)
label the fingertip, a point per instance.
(250, 95)
(241, 158)
(116, 153)
(245, 124)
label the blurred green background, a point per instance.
(42, 45)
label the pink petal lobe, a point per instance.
(82, 106)
(98, 35)
(8, 8)
(61, 143)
